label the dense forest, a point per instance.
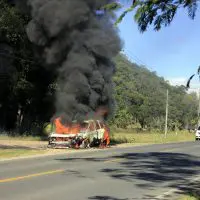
(141, 99)
(27, 88)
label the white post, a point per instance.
(199, 109)
(166, 117)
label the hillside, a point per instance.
(141, 98)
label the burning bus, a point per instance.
(89, 133)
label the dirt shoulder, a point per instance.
(13, 149)
(10, 149)
(17, 144)
(16, 147)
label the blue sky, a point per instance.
(173, 52)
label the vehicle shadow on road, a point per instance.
(153, 169)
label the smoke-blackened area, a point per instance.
(78, 46)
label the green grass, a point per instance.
(10, 153)
(21, 138)
(127, 136)
(116, 138)
(189, 197)
(151, 138)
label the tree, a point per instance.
(140, 97)
(12, 36)
(26, 95)
(157, 12)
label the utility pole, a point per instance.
(199, 110)
(166, 117)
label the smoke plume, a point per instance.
(79, 47)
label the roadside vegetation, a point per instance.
(124, 136)
(151, 138)
(27, 93)
(190, 197)
(21, 138)
(18, 146)
(12, 153)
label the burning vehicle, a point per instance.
(76, 42)
(89, 133)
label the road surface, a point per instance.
(145, 172)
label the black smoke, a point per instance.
(79, 47)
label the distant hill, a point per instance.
(141, 98)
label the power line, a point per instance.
(129, 61)
(132, 59)
(131, 54)
(126, 61)
(136, 59)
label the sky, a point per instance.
(173, 52)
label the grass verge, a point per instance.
(190, 197)
(10, 153)
(16, 146)
(20, 138)
(151, 138)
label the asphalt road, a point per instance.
(148, 172)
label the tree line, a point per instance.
(141, 99)
(27, 88)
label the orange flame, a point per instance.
(62, 129)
